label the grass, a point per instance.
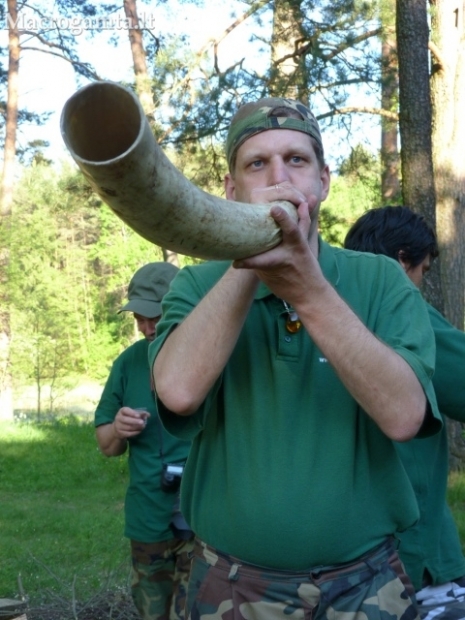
(61, 512)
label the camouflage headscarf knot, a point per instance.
(255, 117)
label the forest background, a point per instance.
(378, 74)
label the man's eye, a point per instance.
(257, 163)
(296, 159)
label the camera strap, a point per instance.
(160, 439)
(178, 525)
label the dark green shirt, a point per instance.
(286, 470)
(148, 509)
(433, 544)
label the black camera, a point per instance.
(171, 477)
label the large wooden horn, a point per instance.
(105, 130)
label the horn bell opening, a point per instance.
(102, 123)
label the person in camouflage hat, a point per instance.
(253, 118)
(293, 372)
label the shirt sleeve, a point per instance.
(185, 293)
(112, 396)
(403, 323)
(449, 375)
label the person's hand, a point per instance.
(130, 422)
(290, 269)
(276, 193)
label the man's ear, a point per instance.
(401, 258)
(325, 177)
(229, 186)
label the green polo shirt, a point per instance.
(286, 470)
(148, 510)
(433, 544)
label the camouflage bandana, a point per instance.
(253, 118)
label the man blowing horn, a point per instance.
(293, 372)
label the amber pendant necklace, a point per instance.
(293, 323)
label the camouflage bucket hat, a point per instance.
(255, 117)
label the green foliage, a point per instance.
(203, 163)
(335, 54)
(362, 165)
(356, 189)
(62, 510)
(70, 261)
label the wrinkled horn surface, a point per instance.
(105, 130)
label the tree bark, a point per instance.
(288, 76)
(448, 138)
(415, 117)
(390, 185)
(6, 202)
(448, 99)
(143, 82)
(9, 159)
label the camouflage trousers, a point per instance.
(160, 572)
(443, 602)
(375, 587)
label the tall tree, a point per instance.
(321, 52)
(143, 81)
(390, 188)
(71, 259)
(415, 118)
(9, 151)
(62, 44)
(431, 143)
(287, 75)
(448, 98)
(139, 61)
(6, 201)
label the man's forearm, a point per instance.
(194, 355)
(379, 379)
(108, 441)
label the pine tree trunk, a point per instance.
(6, 201)
(415, 116)
(143, 82)
(143, 87)
(448, 98)
(390, 185)
(287, 64)
(9, 159)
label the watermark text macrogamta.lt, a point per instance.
(77, 25)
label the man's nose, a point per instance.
(278, 172)
(144, 327)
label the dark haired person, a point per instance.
(293, 371)
(430, 550)
(399, 233)
(160, 538)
